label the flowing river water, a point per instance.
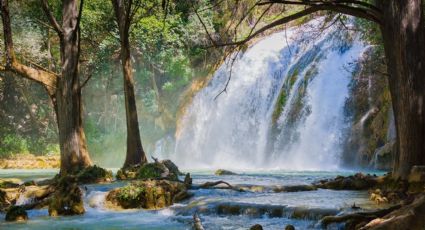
(218, 208)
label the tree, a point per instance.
(402, 26)
(63, 89)
(124, 12)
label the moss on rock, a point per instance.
(165, 169)
(149, 194)
(94, 174)
(221, 172)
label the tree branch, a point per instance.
(51, 18)
(80, 14)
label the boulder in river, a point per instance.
(289, 227)
(16, 213)
(222, 172)
(94, 174)
(164, 169)
(359, 181)
(148, 194)
(256, 227)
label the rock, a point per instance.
(94, 174)
(165, 169)
(294, 188)
(289, 227)
(222, 172)
(256, 227)
(417, 174)
(359, 181)
(16, 213)
(171, 167)
(127, 173)
(148, 194)
(67, 199)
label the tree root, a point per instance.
(354, 219)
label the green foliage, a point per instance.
(131, 196)
(150, 171)
(94, 174)
(12, 144)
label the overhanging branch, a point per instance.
(51, 18)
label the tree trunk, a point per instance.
(135, 153)
(64, 91)
(74, 154)
(403, 33)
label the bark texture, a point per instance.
(403, 33)
(135, 153)
(63, 89)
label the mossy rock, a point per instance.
(222, 172)
(127, 173)
(155, 171)
(94, 174)
(67, 199)
(16, 213)
(149, 194)
(165, 169)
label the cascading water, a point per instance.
(282, 109)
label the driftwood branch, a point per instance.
(358, 216)
(211, 185)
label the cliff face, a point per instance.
(370, 138)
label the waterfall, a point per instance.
(282, 109)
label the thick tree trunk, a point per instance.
(74, 154)
(403, 32)
(65, 90)
(135, 153)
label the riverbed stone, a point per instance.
(256, 227)
(223, 172)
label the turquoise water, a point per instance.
(206, 202)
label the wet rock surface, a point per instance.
(164, 169)
(149, 194)
(359, 181)
(223, 172)
(94, 174)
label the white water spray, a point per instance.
(234, 131)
